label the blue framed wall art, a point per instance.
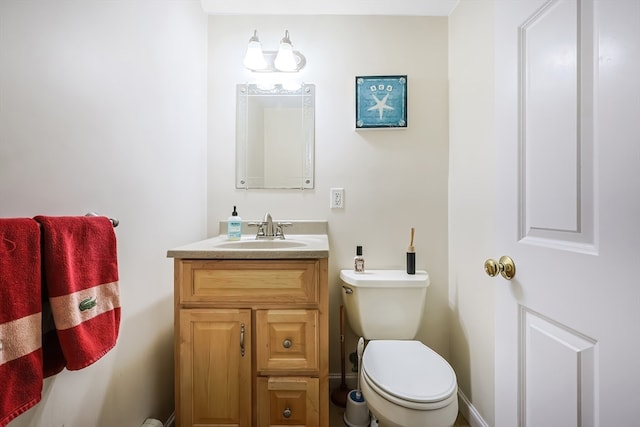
(381, 102)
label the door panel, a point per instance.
(567, 104)
(556, 125)
(558, 372)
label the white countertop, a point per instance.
(306, 242)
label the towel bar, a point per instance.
(114, 221)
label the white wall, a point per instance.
(471, 202)
(103, 107)
(393, 179)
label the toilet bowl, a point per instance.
(404, 382)
(407, 384)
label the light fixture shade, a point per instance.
(285, 60)
(254, 58)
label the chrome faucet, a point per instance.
(267, 222)
(267, 229)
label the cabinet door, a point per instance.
(287, 401)
(214, 367)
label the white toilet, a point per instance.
(404, 382)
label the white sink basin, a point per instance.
(262, 244)
(248, 247)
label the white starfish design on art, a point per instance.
(381, 105)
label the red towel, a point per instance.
(20, 317)
(80, 270)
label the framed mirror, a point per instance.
(275, 136)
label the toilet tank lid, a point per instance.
(385, 278)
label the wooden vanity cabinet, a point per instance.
(251, 342)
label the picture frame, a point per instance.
(381, 102)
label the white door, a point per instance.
(568, 145)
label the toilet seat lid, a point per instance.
(409, 370)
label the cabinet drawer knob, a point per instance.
(286, 413)
(286, 343)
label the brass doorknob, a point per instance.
(505, 266)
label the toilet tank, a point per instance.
(384, 304)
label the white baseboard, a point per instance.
(469, 412)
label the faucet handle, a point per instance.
(279, 232)
(260, 226)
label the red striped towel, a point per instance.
(80, 270)
(20, 317)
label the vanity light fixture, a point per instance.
(254, 58)
(285, 59)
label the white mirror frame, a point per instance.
(269, 153)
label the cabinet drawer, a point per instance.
(287, 340)
(249, 281)
(287, 401)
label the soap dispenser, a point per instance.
(234, 226)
